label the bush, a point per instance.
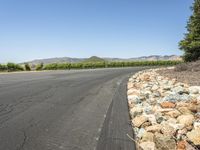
(27, 67)
(14, 67)
(3, 67)
(39, 67)
(92, 65)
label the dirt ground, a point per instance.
(188, 73)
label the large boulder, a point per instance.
(139, 120)
(164, 142)
(194, 136)
(187, 120)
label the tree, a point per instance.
(27, 67)
(39, 66)
(191, 42)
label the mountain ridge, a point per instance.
(77, 60)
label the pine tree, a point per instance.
(191, 43)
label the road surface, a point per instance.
(65, 110)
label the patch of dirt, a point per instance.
(188, 73)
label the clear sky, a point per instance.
(32, 29)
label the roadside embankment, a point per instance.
(165, 113)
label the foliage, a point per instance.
(39, 67)
(191, 43)
(93, 65)
(27, 67)
(3, 67)
(14, 67)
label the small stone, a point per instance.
(194, 136)
(154, 87)
(189, 128)
(165, 110)
(136, 111)
(141, 133)
(164, 142)
(193, 107)
(194, 89)
(146, 124)
(181, 145)
(196, 125)
(174, 114)
(134, 99)
(182, 104)
(177, 126)
(167, 105)
(129, 85)
(147, 145)
(167, 87)
(179, 90)
(148, 110)
(133, 92)
(145, 77)
(184, 110)
(187, 120)
(198, 108)
(148, 137)
(139, 120)
(154, 128)
(167, 130)
(156, 94)
(151, 118)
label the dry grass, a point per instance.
(188, 73)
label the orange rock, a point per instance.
(168, 105)
(181, 145)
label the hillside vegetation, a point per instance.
(90, 63)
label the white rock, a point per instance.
(147, 145)
(194, 89)
(136, 111)
(196, 125)
(134, 99)
(187, 120)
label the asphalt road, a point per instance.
(65, 110)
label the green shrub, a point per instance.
(27, 67)
(3, 67)
(14, 67)
(39, 67)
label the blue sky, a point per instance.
(32, 29)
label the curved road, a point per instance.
(65, 110)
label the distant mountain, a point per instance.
(98, 59)
(94, 59)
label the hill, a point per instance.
(98, 59)
(94, 59)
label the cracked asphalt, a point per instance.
(65, 110)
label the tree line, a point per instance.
(9, 67)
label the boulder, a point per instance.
(187, 120)
(194, 89)
(148, 137)
(147, 145)
(184, 110)
(174, 113)
(181, 145)
(154, 128)
(134, 99)
(167, 130)
(167, 105)
(194, 136)
(135, 111)
(164, 142)
(139, 120)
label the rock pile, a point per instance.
(165, 113)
